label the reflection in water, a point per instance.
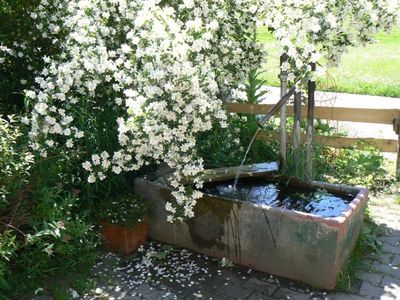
(263, 193)
(259, 194)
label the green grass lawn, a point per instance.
(370, 70)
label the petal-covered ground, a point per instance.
(163, 272)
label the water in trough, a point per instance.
(262, 192)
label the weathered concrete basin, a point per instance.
(287, 243)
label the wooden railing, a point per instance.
(364, 115)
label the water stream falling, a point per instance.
(244, 158)
(262, 122)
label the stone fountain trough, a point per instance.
(288, 243)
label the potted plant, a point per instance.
(124, 225)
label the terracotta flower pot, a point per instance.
(124, 239)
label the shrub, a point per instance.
(352, 166)
(55, 238)
(42, 225)
(224, 147)
(22, 52)
(15, 161)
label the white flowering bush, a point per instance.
(158, 71)
(151, 75)
(311, 30)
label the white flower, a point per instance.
(101, 175)
(105, 164)
(168, 206)
(315, 26)
(331, 20)
(188, 3)
(104, 155)
(116, 169)
(96, 159)
(25, 120)
(87, 165)
(74, 294)
(41, 108)
(67, 132)
(125, 48)
(130, 93)
(91, 178)
(49, 143)
(69, 143)
(57, 129)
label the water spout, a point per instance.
(245, 156)
(261, 125)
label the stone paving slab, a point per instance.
(163, 272)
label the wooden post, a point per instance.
(396, 127)
(283, 112)
(310, 125)
(296, 128)
(398, 159)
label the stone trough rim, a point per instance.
(337, 221)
